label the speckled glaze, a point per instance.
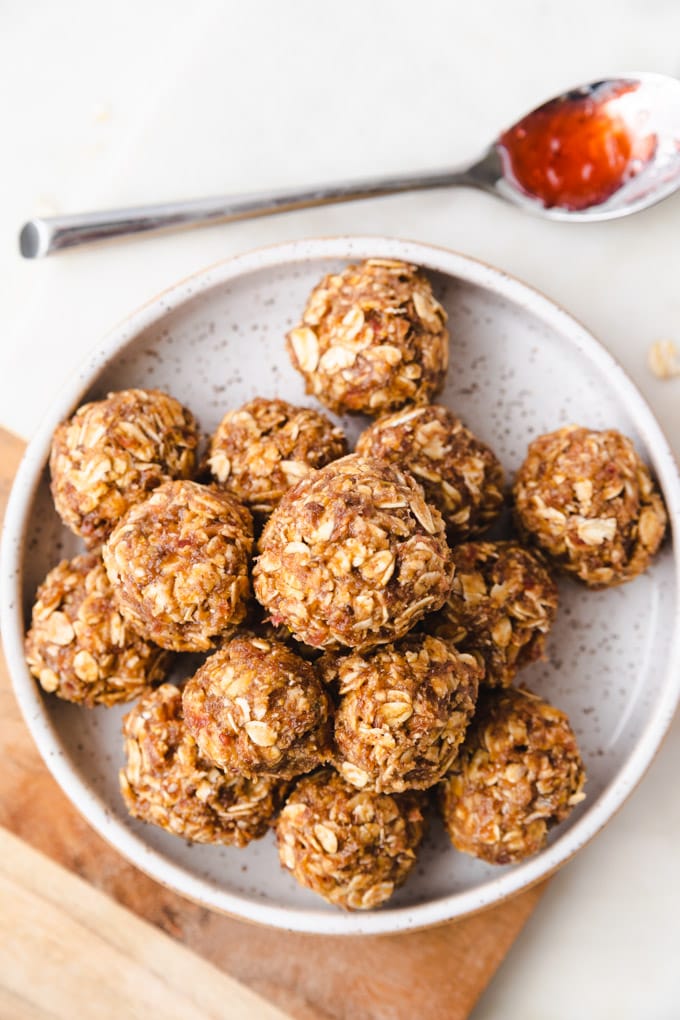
(520, 366)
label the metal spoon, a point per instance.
(612, 147)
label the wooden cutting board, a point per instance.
(436, 974)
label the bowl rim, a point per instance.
(132, 846)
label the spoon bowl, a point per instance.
(602, 150)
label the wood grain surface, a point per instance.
(66, 947)
(436, 974)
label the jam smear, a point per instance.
(576, 151)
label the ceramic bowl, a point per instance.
(520, 366)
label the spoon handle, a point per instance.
(40, 237)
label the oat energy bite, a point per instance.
(112, 453)
(266, 446)
(179, 565)
(350, 846)
(352, 556)
(403, 712)
(79, 646)
(372, 338)
(519, 772)
(254, 707)
(461, 476)
(588, 501)
(166, 782)
(502, 604)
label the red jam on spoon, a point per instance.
(576, 151)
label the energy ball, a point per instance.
(588, 501)
(461, 476)
(372, 338)
(256, 708)
(352, 556)
(350, 846)
(166, 781)
(403, 713)
(112, 453)
(79, 647)
(178, 564)
(266, 446)
(502, 604)
(519, 772)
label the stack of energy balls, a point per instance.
(377, 659)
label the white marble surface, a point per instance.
(118, 104)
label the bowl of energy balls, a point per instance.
(339, 588)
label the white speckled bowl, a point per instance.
(519, 366)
